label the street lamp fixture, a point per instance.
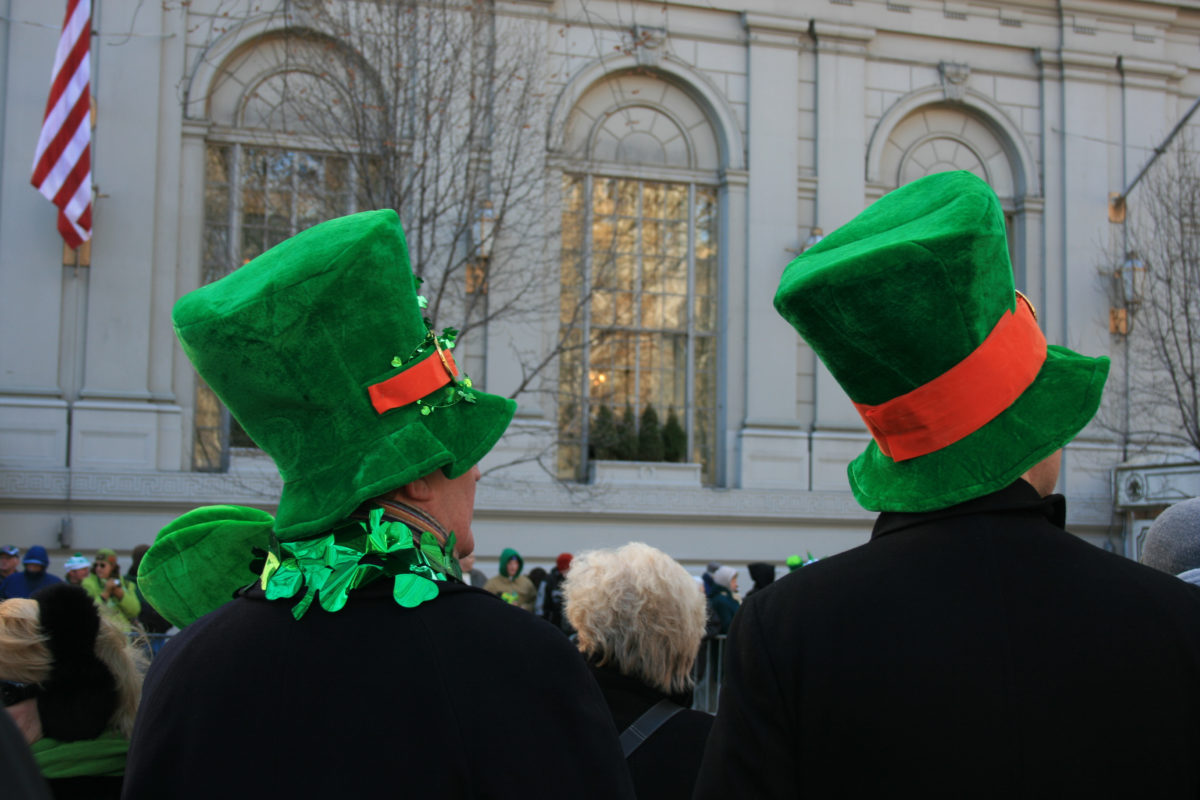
(483, 230)
(1129, 285)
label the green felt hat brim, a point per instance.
(200, 559)
(1049, 414)
(469, 431)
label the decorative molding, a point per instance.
(954, 79)
(648, 44)
(768, 30)
(126, 488)
(832, 37)
(496, 497)
(1159, 485)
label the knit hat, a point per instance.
(320, 350)
(36, 555)
(1173, 542)
(9, 550)
(723, 576)
(794, 562)
(76, 561)
(563, 562)
(911, 306)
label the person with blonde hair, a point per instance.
(71, 681)
(639, 620)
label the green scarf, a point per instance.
(103, 756)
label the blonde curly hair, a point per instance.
(636, 609)
(25, 657)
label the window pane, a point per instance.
(627, 198)
(216, 166)
(654, 200)
(652, 311)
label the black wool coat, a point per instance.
(978, 651)
(461, 697)
(664, 766)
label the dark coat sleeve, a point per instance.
(748, 750)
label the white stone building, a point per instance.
(736, 128)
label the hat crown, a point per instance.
(288, 339)
(907, 289)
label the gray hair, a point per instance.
(1173, 541)
(637, 610)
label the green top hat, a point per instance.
(911, 306)
(293, 343)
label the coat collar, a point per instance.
(1017, 498)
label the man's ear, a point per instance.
(419, 490)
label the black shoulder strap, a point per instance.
(645, 725)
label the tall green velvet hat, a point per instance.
(320, 350)
(911, 306)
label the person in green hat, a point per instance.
(972, 647)
(332, 649)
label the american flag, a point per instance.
(62, 166)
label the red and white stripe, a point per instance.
(62, 166)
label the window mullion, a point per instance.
(636, 306)
(586, 298)
(690, 372)
(294, 185)
(235, 208)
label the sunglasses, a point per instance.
(13, 692)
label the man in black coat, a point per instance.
(972, 648)
(354, 661)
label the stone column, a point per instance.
(841, 53)
(772, 449)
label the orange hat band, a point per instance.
(430, 374)
(968, 396)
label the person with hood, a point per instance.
(721, 600)
(71, 681)
(972, 647)
(333, 650)
(763, 575)
(510, 585)
(32, 578)
(550, 599)
(117, 599)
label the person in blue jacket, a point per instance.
(34, 577)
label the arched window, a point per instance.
(266, 178)
(938, 137)
(639, 270)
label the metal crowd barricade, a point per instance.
(709, 674)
